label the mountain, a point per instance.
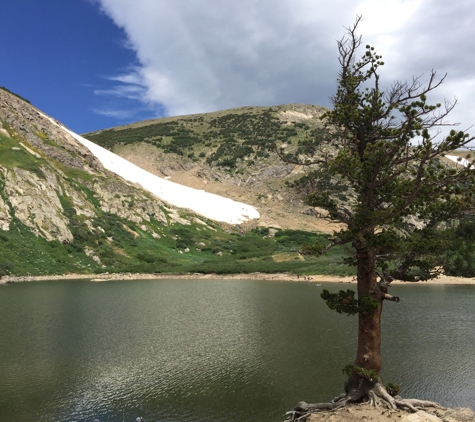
(229, 153)
(53, 188)
(63, 210)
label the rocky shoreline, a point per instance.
(364, 413)
(442, 280)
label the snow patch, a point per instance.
(462, 161)
(207, 204)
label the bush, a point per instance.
(150, 258)
(5, 268)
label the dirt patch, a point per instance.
(279, 206)
(287, 256)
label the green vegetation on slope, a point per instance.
(237, 140)
(106, 242)
(123, 246)
(460, 257)
(12, 155)
(225, 140)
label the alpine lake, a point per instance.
(216, 350)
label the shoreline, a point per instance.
(441, 280)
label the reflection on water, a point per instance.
(187, 350)
(433, 343)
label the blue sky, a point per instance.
(93, 64)
(58, 53)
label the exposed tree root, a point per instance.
(377, 396)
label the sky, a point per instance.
(94, 64)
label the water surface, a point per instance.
(213, 350)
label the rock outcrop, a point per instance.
(47, 168)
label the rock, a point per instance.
(461, 414)
(364, 413)
(320, 212)
(36, 204)
(420, 416)
(5, 216)
(35, 195)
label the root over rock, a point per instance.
(375, 400)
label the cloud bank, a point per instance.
(203, 55)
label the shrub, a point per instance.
(150, 258)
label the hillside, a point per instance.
(228, 153)
(62, 211)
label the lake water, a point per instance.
(213, 350)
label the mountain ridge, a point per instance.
(62, 211)
(229, 153)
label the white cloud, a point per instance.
(132, 92)
(204, 55)
(385, 16)
(117, 114)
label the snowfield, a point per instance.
(462, 161)
(204, 203)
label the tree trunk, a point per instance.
(368, 355)
(364, 386)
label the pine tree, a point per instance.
(386, 148)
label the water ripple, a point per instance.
(214, 350)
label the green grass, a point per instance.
(124, 246)
(23, 253)
(12, 155)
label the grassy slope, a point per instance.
(124, 246)
(193, 248)
(231, 139)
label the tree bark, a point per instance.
(368, 355)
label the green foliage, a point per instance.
(344, 302)
(29, 254)
(234, 140)
(459, 259)
(5, 268)
(261, 231)
(392, 389)
(317, 183)
(181, 144)
(123, 246)
(13, 155)
(379, 171)
(297, 238)
(150, 258)
(153, 133)
(312, 249)
(368, 374)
